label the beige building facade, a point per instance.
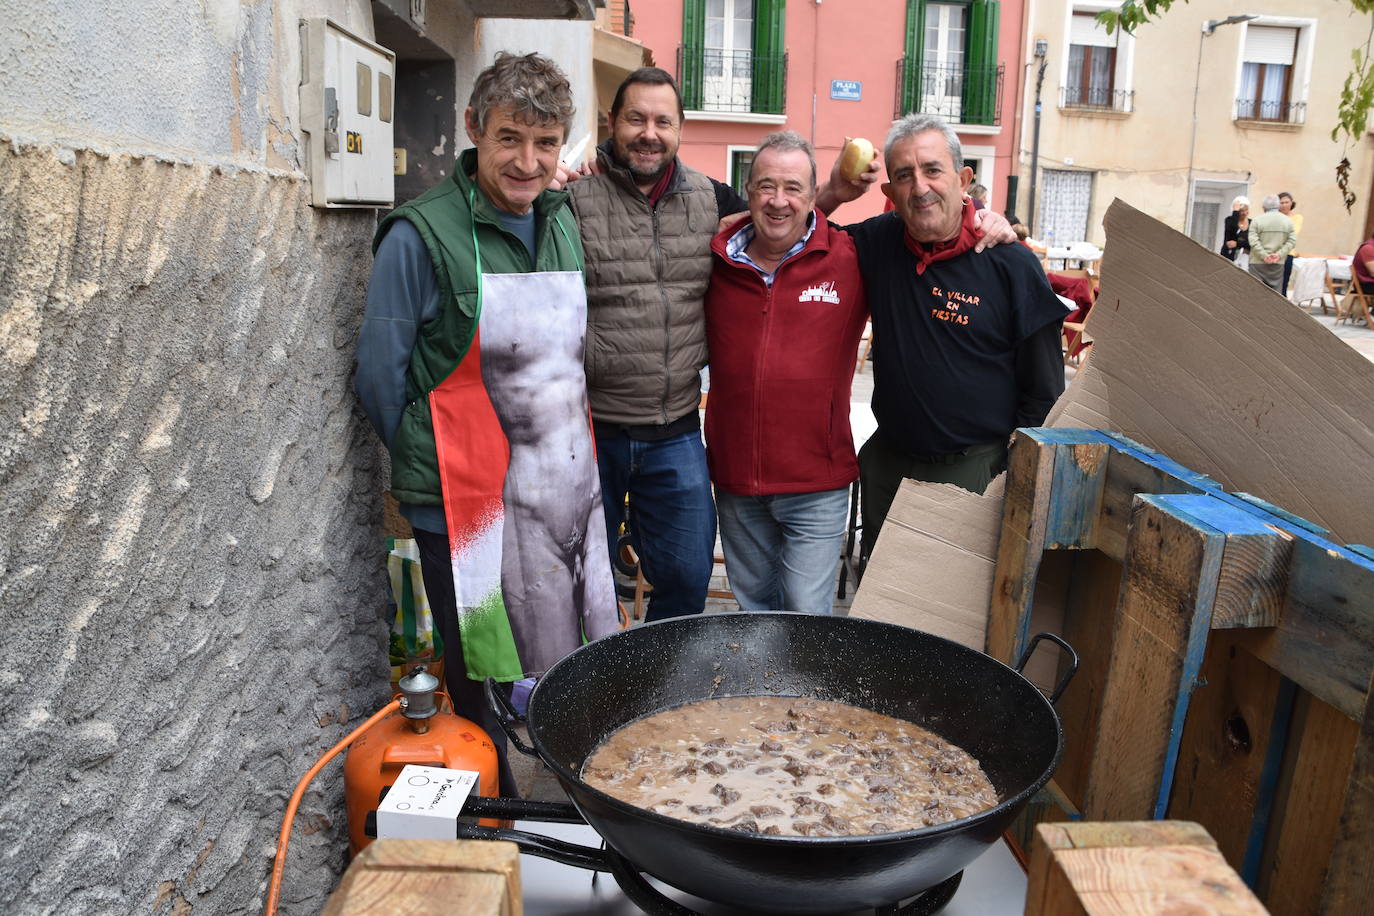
(1196, 108)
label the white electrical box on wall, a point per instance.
(347, 103)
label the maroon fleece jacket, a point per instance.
(782, 366)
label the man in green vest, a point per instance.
(470, 368)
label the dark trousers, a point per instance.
(468, 696)
(672, 515)
(1287, 272)
(883, 467)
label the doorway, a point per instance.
(1211, 205)
(426, 116)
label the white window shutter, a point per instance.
(1086, 30)
(1267, 44)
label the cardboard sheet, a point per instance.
(932, 566)
(1202, 362)
(1193, 358)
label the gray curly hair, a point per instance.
(531, 85)
(913, 124)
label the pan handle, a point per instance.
(545, 847)
(504, 712)
(1073, 661)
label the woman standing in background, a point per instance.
(1235, 239)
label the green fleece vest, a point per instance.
(444, 219)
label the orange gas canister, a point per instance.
(422, 733)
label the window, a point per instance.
(1266, 75)
(942, 60)
(950, 63)
(732, 57)
(727, 56)
(1092, 63)
(1097, 68)
(740, 161)
(1064, 206)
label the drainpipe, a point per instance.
(1042, 48)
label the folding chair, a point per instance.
(1356, 301)
(1077, 345)
(1336, 287)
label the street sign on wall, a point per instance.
(846, 90)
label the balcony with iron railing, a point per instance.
(1093, 99)
(1264, 112)
(736, 82)
(961, 95)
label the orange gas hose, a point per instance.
(279, 865)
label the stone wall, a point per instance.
(190, 553)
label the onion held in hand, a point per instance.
(855, 157)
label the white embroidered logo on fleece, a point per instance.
(825, 292)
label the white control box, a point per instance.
(348, 91)
(424, 803)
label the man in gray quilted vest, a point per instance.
(647, 221)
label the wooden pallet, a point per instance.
(1227, 650)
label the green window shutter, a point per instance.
(769, 71)
(980, 77)
(909, 87)
(690, 54)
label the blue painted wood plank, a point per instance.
(1199, 626)
(1298, 521)
(1267, 790)
(1060, 435)
(1071, 516)
(1211, 511)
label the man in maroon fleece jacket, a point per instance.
(784, 313)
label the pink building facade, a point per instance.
(830, 69)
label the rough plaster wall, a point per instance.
(189, 549)
(209, 79)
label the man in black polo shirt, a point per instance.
(965, 343)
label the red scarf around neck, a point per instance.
(661, 186)
(943, 251)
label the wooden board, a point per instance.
(1349, 886)
(1162, 624)
(1089, 625)
(419, 877)
(1132, 868)
(1232, 747)
(1307, 809)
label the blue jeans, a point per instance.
(672, 515)
(782, 551)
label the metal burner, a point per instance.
(648, 898)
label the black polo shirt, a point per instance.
(965, 352)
